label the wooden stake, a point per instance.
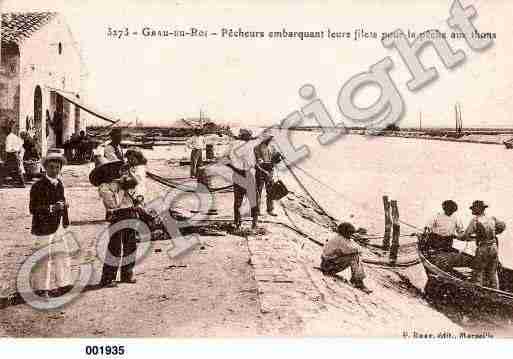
(396, 231)
(388, 223)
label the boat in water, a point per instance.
(457, 282)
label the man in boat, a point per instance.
(341, 252)
(444, 227)
(486, 259)
(442, 230)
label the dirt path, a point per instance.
(214, 295)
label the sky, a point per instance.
(256, 81)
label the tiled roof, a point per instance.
(17, 27)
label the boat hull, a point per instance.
(463, 289)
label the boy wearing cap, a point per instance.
(486, 259)
(49, 214)
(341, 252)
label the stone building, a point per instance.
(41, 68)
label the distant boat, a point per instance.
(508, 143)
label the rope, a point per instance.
(332, 219)
(169, 183)
(342, 195)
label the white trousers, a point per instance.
(55, 266)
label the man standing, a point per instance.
(196, 144)
(242, 162)
(14, 160)
(113, 150)
(113, 189)
(442, 230)
(49, 215)
(264, 173)
(486, 259)
(341, 252)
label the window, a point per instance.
(60, 48)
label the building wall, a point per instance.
(9, 91)
(42, 64)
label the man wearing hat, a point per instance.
(113, 187)
(341, 252)
(49, 214)
(486, 259)
(264, 172)
(113, 150)
(242, 162)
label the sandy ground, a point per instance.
(230, 286)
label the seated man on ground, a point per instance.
(341, 252)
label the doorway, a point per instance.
(38, 118)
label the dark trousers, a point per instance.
(239, 193)
(449, 259)
(263, 180)
(485, 265)
(334, 265)
(122, 244)
(196, 160)
(13, 167)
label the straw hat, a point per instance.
(54, 154)
(479, 205)
(104, 170)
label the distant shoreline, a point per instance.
(487, 136)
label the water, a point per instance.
(419, 174)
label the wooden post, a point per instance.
(396, 231)
(388, 223)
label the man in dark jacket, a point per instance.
(49, 215)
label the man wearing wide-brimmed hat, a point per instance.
(486, 259)
(113, 182)
(264, 171)
(113, 150)
(49, 211)
(242, 162)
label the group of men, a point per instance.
(78, 147)
(252, 164)
(446, 226)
